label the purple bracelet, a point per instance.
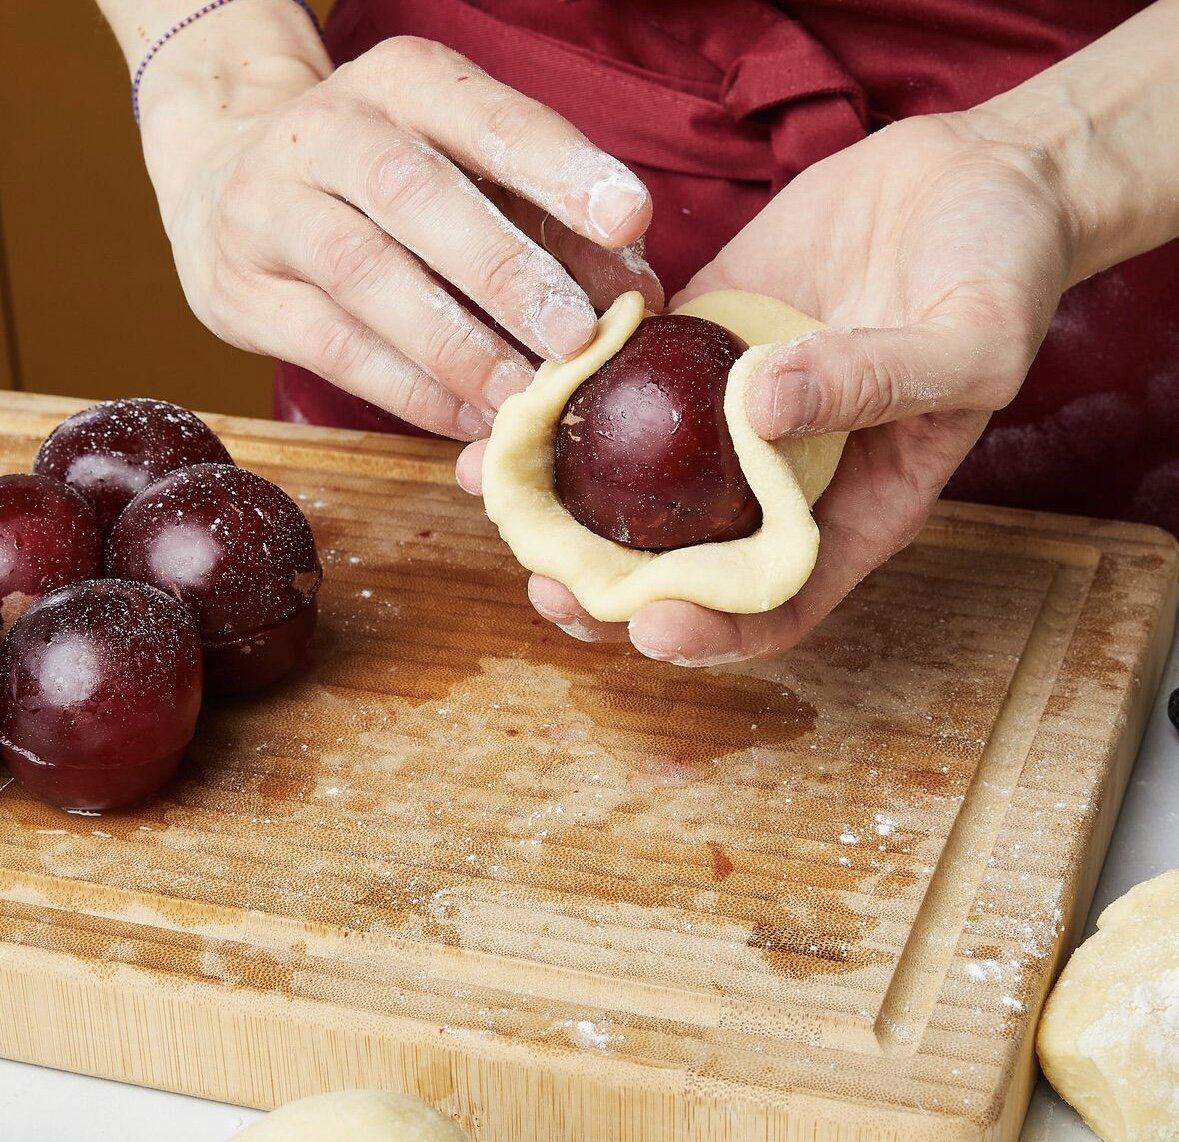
(211, 6)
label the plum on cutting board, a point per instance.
(100, 687)
(48, 538)
(643, 451)
(238, 552)
(111, 451)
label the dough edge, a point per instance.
(1135, 946)
(358, 1115)
(742, 576)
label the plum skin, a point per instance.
(253, 661)
(49, 537)
(100, 688)
(112, 450)
(238, 552)
(643, 455)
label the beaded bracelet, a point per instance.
(211, 6)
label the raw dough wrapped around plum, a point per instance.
(757, 572)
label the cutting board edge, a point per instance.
(460, 1075)
(1136, 706)
(1089, 859)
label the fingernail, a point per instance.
(675, 658)
(507, 379)
(559, 618)
(578, 630)
(634, 262)
(782, 402)
(613, 201)
(659, 653)
(468, 488)
(565, 323)
(470, 421)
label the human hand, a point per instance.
(320, 219)
(938, 255)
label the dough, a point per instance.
(1109, 1037)
(610, 581)
(355, 1115)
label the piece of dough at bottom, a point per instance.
(1109, 1037)
(355, 1115)
(741, 576)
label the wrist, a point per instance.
(1095, 203)
(1096, 126)
(237, 61)
(1046, 145)
(232, 64)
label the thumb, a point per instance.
(839, 380)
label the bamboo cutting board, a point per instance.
(569, 895)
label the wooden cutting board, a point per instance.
(565, 893)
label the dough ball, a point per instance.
(1109, 1037)
(355, 1115)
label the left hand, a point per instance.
(939, 255)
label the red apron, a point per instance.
(717, 104)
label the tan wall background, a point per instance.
(89, 301)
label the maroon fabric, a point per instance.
(717, 104)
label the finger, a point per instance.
(468, 468)
(686, 634)
(358, 265)
(422, 200)
(841, 380)
(555, 602)
(552, 600)
(306, 327)
(518, 142)
(602, 272)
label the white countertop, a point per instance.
(40, 1105)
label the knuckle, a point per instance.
(238, 201)
(412, 53)
(347, 257)
(336, 347)
(870, 394)
(315, 113)
(403, 177)
(509, 119)
(243, 218)
(452, 346)
(502, 266)
(421, 401)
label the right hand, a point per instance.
(937, 251)
(323, 230)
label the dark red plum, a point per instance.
(238, 552)
(113, 450)
(100, 687)
(643, 452)
(48, 538)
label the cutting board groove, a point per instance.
(918, 978)
(568, 894)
